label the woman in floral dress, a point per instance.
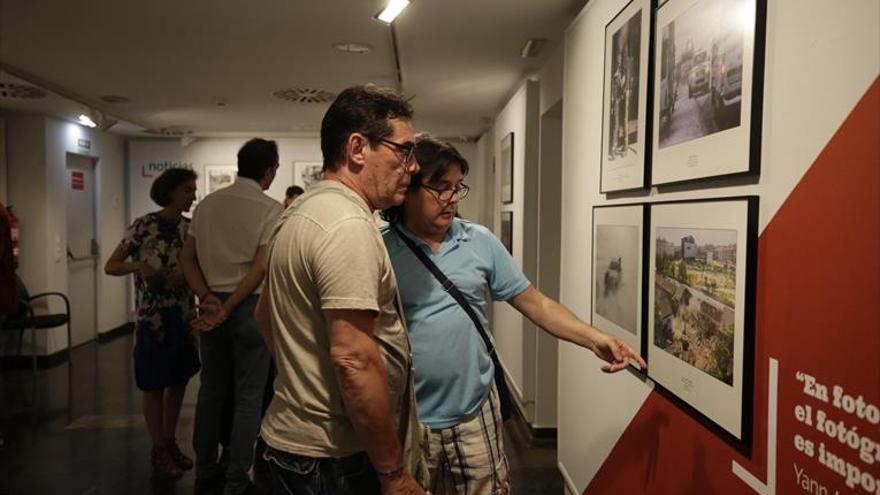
(165, 355)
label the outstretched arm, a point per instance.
(562, 323)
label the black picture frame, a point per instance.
(507, 230)
(507, 169)
(619, 259)
(708, 84)
(688, 314)
(625, 160)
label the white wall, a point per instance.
(548, 235)
(820, 58)
(202, 152)
(514, 336)
(26, 174)
(37, 178)
(551, 76)
(529, 355)
(485, 168)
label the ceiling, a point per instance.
(459, 59)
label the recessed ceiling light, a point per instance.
(392, 10)
(86, 121)
(116, 99)
(352, 47)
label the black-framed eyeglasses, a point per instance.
(408, 150)
(461, 190)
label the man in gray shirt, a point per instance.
(224, 261)
(343, 419)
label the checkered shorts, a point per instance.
(468, 458)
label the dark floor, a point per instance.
(86, 434)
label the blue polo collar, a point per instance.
(457, 233)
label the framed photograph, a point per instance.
(307, 174)
(701, 307)
(219, 176)
(708, 83)
(618, 272)
(507, 169)
(507, 230)
(625, 130)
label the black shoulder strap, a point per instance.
(449, 287)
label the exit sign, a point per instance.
(84, 144)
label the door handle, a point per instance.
(72, 257)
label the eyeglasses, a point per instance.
(444, 195)
(408, 150)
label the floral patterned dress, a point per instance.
(165, 349)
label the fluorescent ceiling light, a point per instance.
(392, 10)
(86, 121)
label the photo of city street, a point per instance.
(700, 73)
(623, 104)
(695, 297)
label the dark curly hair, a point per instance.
(435, 158)
(363, 109)
(164, 185)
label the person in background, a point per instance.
(224, 261)
(456, 395)
(343, 419)
(291, 194)
(165, 355)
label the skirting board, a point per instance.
(124, 329)
(570, 489)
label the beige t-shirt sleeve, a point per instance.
(269, 224)
(347, 265)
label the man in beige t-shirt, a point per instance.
(343, 418)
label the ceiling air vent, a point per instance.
(305, 95)
(20, 91)
(169, 131)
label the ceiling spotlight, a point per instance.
(392, 10)
(86, 121)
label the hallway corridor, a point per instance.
(86, 434)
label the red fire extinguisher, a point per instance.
(13, 227)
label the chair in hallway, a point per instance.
(26, 318)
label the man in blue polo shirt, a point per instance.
(456, 396)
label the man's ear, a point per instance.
(356, 148)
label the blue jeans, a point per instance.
(292, 474)
(232, 352)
